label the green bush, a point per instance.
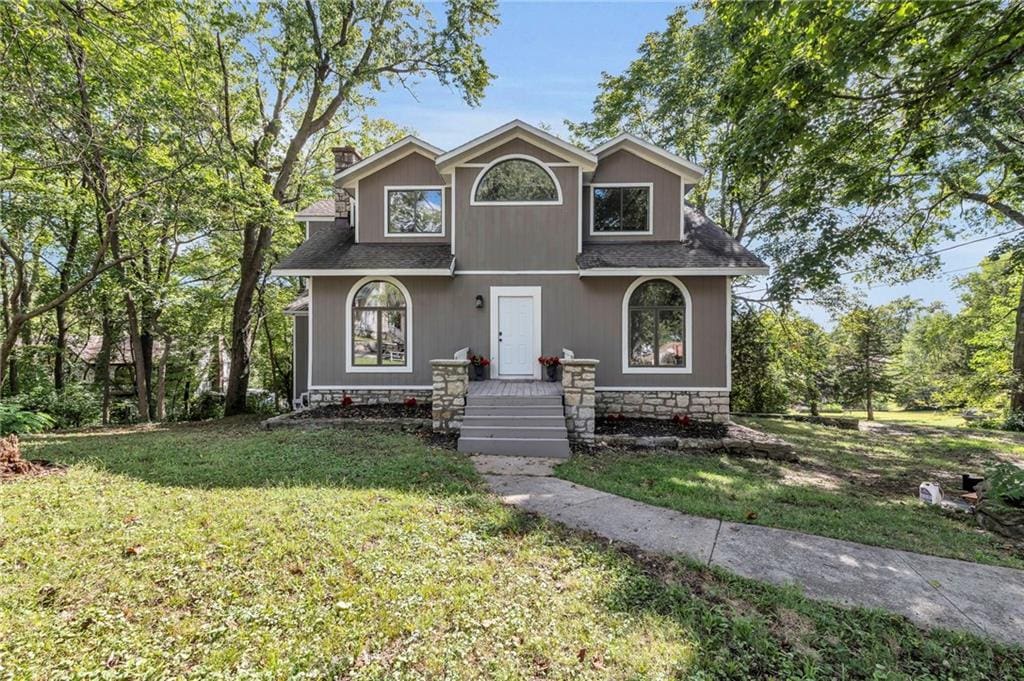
(73, 407)
(208, 405)
(15, 419)
(830, 408)
(1006, 485)
(1015, 422)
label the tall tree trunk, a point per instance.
(64, 282)
(1017, 385)
(257, 240)
(138, 361)
(102, 377)
(161, 381)
(869, 393)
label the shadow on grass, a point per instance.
(236, 453)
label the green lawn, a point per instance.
(860, 486)
(942, 419)
(222, 550)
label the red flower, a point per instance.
(682, 419)
(410, 401)
(549, 361)
(346, 401)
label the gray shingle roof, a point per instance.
(333, 248)
(706, 245)
(322, 208)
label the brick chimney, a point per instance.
(343, 158)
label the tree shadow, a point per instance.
(236, 453)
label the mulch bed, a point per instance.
(365, 411)
(659, 428)
(12, 466)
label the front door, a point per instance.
(515, 336)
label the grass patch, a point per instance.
(219, 549)
(859, 486)
(939, 418)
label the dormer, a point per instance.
(398, 195)
(637, 192)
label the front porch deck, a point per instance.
(506, 388)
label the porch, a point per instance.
(511, 388)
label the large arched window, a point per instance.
(656, 327)
(378, 326)
(514, 180)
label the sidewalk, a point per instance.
(930, 591)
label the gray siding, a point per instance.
(624, 166)
(300, 343)
(584, 315)
(517, 146)
(516, 237)
(412, 170)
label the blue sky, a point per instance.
(548, 59)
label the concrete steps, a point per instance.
(515, 426)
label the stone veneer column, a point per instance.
(578, 378)
(450, 385)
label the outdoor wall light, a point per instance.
(479, 302)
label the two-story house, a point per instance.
(517, 244)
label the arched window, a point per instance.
(656, 326)
(379, 331)
(516, 180)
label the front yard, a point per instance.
(859, 486)
(219, 549)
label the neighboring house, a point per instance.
(517, 244)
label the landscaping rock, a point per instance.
(738, 441)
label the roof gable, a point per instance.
(677, 164)
(516, 129)
(371, 164)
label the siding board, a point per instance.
(624, 166)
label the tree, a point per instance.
(840, 137)
(290, 71)
(756, 384)
(866, 339)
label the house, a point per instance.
(514, 245)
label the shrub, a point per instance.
(209, 405)
(830, 408)
(16, 420)
(73, 407)
(1015, 422)
(1006, 485)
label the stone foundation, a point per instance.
(578, 377)
(397, 395)
(450, 385)
(708, 405)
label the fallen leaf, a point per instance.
(751, 515)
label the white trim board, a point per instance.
(649, 186)
(649, 152)
(513, 272)
(531, 134)
(650, 388)
(670, 271)
(424, 235)
(368, 165)
(515, 157)
(438, 272)
(374, 369)
(538, 309)
(687, 330)
(392, 386)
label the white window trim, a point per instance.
(352, 368)
(517, 291)
(649, 186)
(402, 188)
(510, 157)
(688, 321)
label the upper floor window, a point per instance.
(656, 327)
(414, 211)
(618, 208)
(516, 180)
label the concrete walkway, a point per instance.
(930, 591)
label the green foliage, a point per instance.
(1014, 421)
(756, 384)
(1006, 485)
(865, 341)
(73, 407)
(15, 419)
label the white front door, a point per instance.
(516, 336)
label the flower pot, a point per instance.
(479, 372)
(551, 371)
